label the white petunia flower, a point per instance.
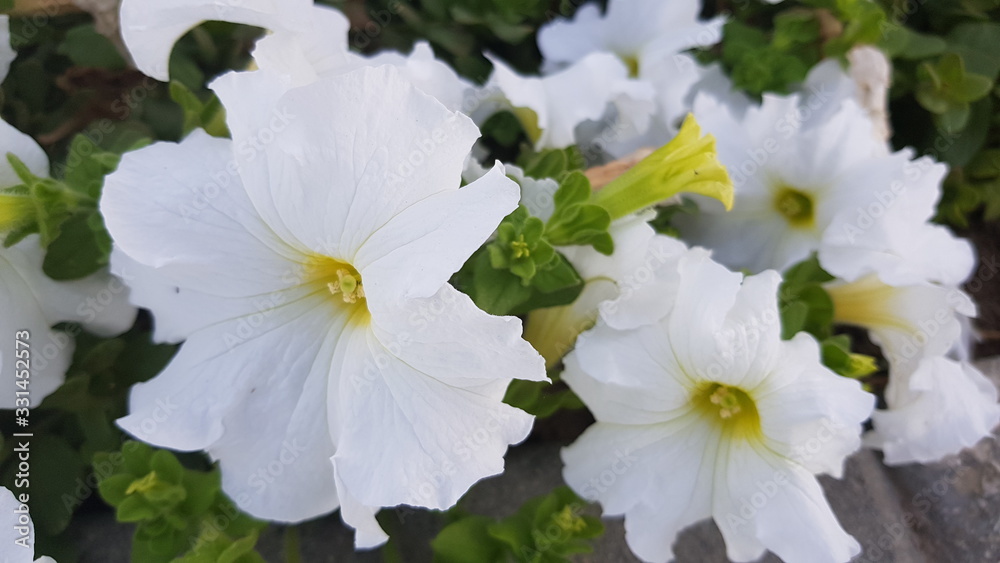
(810, 179)
(936, 406)
(18, 536)
(551, 107)
(640, 32)
(648, 37)
(334, 364)
(703, 411)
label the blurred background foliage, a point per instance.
(73, 90)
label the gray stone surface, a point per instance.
(943, 512)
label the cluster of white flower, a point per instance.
(328, 363)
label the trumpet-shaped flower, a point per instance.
(17, 547)
(334, 364)
(648, 37)
(703, 411)
(935, 406)
(642, 33)
(810, 179)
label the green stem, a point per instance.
(292, 551)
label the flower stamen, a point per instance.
(348, 286)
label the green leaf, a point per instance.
(467, 541)
(86, 166)
(113, 487)
(86, 47)
(540, 398)
(547, 164)
(56, 469)
(82, 248)
(166, 466)
(977, 42)
(208, 115)
(899, 41)
(575, 221)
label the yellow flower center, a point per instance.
(730, 407)
(340, 280)
(796, 206)
(632, 62)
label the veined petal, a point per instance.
(628, 377)
(161, 214)
(418, 250)
(707, 291)
(328, 178)
(179, 311)
(280, 468)
(809, 414)
(183, 408)
(779, 506)
(436, 438)
(484, 350)
(561, 101)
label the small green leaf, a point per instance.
(467, 541)
(82, 248)
(88, 48)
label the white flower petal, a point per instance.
(484, 350)
(436, 437)
(183, 408)
(7, 53)
(816, 422)
(191, 204)
(32, 302)
(368, 533)
(785, 504)
(909, 322)
(572, 96)
(363, 167)
(430, 240)
(282, 470)
(151, 27)
(10, 550)
(939, 409)
(622, 381)
(178, 311)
